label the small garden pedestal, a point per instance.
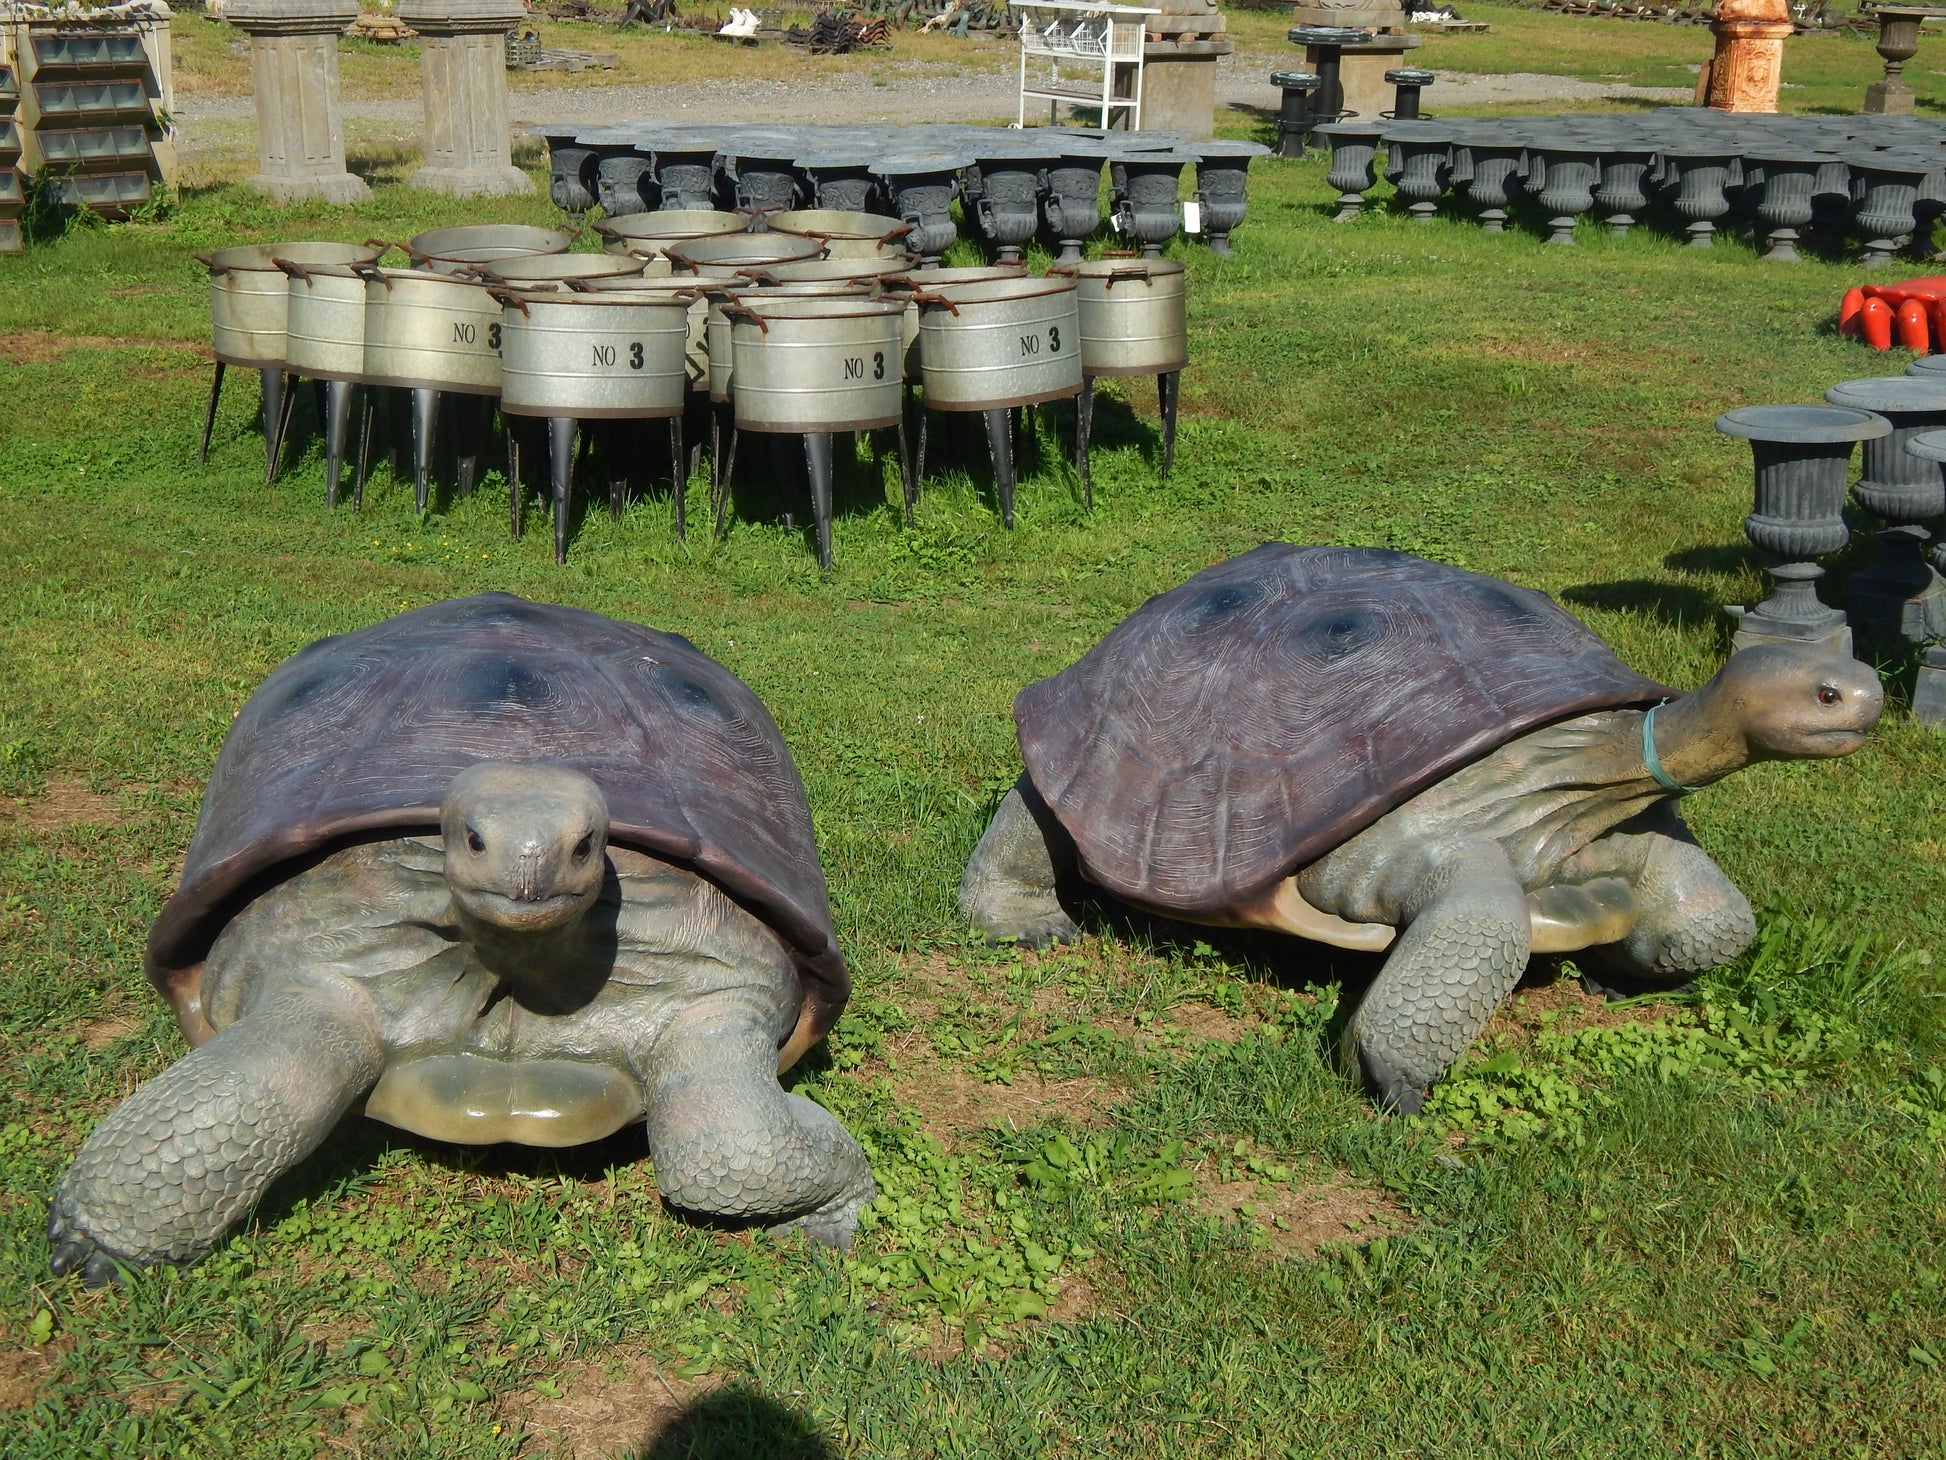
(294, 73)
(463, 69)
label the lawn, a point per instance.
(1130, 1204)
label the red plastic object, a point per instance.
(1915, 330)
(1875, 319)
(1848, 308)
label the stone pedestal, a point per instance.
(463, 68)
(1361, 73)
(1749, 63)
(294, 71)
(1179, 68)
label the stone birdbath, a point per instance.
(1801, 454)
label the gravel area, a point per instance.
(217, 127)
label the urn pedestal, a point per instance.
(1899, 598)
(1800, 454)
(463, 72)
(294, 75)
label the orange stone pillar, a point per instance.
(1749, 61)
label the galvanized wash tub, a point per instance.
(929, 278)
(733, 253)
(720, 340)
(815, 363)
(696, 292)
(651, 234)
(844, 234)
(326, 320)
(1133, 315)
(443, 249)
(606, 356)
(249, 294)
(883, 268)
(1001, 342)
(553, 268)
(431, 331)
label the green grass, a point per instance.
(1715, 1227)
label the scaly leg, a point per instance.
(184, 1158)
(1690, 917)
(1008, 890)
(729, 1142)
(1463, 948)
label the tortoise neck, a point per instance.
(1695, 740)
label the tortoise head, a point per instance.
(1795, 702)
(525, 844)
(1770, 702)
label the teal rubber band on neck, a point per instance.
(1654, 762)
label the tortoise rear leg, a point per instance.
(1008, 890)
(1691, 917)
(727, 1140)
(1463, 948)
(184, 1158)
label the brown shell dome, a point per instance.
(357, 736)
(1235, 729)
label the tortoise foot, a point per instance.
(1393, 1090)
(1031, 931)
(76, 1251)
(831, 1225)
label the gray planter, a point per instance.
(685, 170)
(1489, 167)
(1354, 147)
(1562, 178)
(1699, 177)
(1885, 194)
(1073, 201)
(570, 171)
(1006, 207)
(841, 178)
(1145, 188)
(1785, 204)
(1422, 153)
(1223, 188)
(1800, 454)
(921, 186)
(1619, 194)
(762, 174)
(1899, 597)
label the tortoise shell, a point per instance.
(1235, 729)
(356, 737)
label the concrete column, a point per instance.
(463, 67)
(294, 70)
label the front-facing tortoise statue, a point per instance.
(1378, 752)
(500, 871)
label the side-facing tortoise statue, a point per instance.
(500, 871)
(1378, 752)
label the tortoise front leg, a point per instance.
(727, 1140)
(1690, 916)
(182, 1160)
(1463, 949)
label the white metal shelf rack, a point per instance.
(1084, 54)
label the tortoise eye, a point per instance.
(583, 847)
(474, 841)
(1828, 694)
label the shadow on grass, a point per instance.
(738, 1423)
(1673, 603)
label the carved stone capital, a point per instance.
(462, 17)
(291, 17)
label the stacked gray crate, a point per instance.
(11, 195)
(86, 114)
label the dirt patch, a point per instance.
(615, 1408)
(66, 801)
(954, 1103)
(44, 347)
(22, 1373)
(1561, 1003)
(110, 1028)
(1302, 1218)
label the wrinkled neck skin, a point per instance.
(1698, 745)
(550, 970)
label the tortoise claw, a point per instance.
(75, 1251)
(1393, 1091)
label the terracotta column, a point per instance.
(294, 71)
(463, 68)
(1749, 61)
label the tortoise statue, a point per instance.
(497, 871)
(1377, 752)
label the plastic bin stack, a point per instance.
(12, 197)
(87, 114)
